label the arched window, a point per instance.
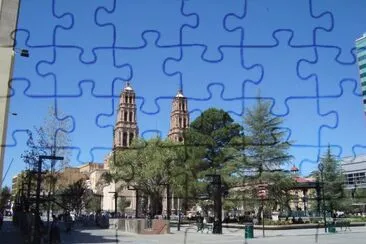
(184, 123)
(124, 143)
(119, 137)
(180, 122)
(125, 116)
(126, 99)
(130, 117)
(131, 138)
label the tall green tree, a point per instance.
(266, 150)
(73, 196)
(149, 166)
(212, 136)
(333, 177)
(5, 196)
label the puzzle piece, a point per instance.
(152, 123)
(272, 80)
(30, 112)
(318, 69)
(201, 33)
(306, 143)
(161, 16)
(75, 71)
(42, 25)
(39, 85)
(234, 106)
(344, 14)
(300, 110)
(84, 33)
(159, 85)
(196, 74)
(307, 157)
(262, 18)
(350, 126)
(86, 121)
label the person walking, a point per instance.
(55, 237)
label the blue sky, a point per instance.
(299, 54)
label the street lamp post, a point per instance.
(321, 169)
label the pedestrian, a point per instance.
(68, 222)
(1, 219)
(55, 237)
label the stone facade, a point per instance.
(179, 119)
(126, 128)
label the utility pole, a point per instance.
(115, 202)
(137, 199)
(37, 238)
(321, 169)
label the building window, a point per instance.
(363, 75)
(131, 138)
(362, 66)
(131, 116)
(124, 143)
(180, 139)
(125, 116)
(184, 123)
(180, 122)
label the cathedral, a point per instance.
(125, 130)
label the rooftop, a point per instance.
(362, 37)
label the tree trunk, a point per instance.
(156, 204)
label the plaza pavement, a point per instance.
(10, 234)
(357, 235)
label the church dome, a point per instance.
(179, 94)
(128, 87)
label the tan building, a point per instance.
(125, 131)
(90, 167)
(179, 119)
(8, 20)
(69, 176)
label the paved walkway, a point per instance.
(9, 234)
(190, 236)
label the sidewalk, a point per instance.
(10, 234)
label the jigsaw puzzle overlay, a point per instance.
(300, 55)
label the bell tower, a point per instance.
(179, 119)
(126, 128)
